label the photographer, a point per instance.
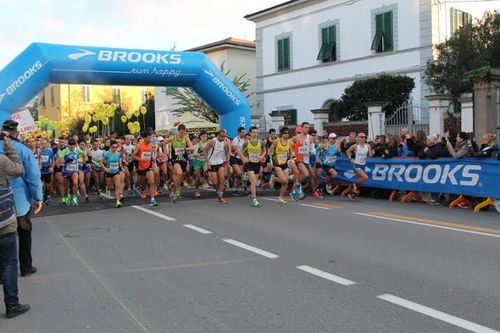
(27, 191)
(10, 167)
(462, 148)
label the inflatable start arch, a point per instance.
(41, 64)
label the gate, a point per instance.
(409, 115)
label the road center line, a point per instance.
(251, 248)
(195, 228)
(427, 224)
(325, 275)
(165, 217)
(462, 323)
(312, 206)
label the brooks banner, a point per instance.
(474, 177)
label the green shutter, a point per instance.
(379, 33)
(286, 53)
(454, 20)
(469, 20)
(280, 55)
(388, 38)
(327, 52)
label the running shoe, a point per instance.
(197, 193)
(271, 181)
(236, 192)
(255, 203)
(355, 188)
(316, 194)
(301, 195)
(281, 200)
(221, 200)
(118, 204)
(64, 200)
(143, 195)
(352, 196)
(108, 193)
(49, 199)
(137, 193)
(173, 197)
(153, 203)
(74, 200)
(87, 199)
(329, 189)
(294, 196)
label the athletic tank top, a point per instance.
(179, 149)
(254, 151)
(329, 156)
(281, 152)
(361, 154)
(238, 142)
(201, 148)
(112, 161)
(217, 154)
(301, 149)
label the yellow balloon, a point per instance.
(129, 125)
(137, 113)
(105, 121)
(143, 110)
(129, 115)
(123, 119)
(88, 119)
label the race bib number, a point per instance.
(362, 160)
(72, 167)
(303, 150)
(282, 158)
(146, 155)
(331, 159)
(114, 166)
(179, 151)
(254, 158)
(44, 158)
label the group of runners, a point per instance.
(149, 164)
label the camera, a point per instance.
(5, 134)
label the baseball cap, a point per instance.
(10, 125)
(332, 135)
(160, 139)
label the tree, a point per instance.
(467, 55)
(392, 89)
(189, 101)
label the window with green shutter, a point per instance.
(459, 20)
(328, 49)
(383, 40)
(283, 54)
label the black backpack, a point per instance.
(7, 207)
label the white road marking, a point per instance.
(165, 217)
(325, 275)
(251, 248)
(429, 225)
(268, 199)
(462, 323)
(195, 228)
(312, 206)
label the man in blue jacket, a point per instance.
(28, 195)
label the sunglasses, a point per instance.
(116, 147)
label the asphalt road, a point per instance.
(314, 266)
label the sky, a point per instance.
(141, 24)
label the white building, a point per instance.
(237, 55)
(309, 51)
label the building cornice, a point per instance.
(280, 9)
